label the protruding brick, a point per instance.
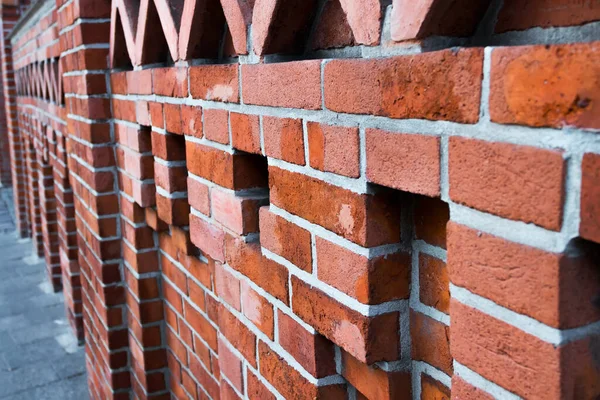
(590, 198)
(430, 342)
(245, 132)
(517, 182)
(334, 149)
(215, 82)
(284, 139)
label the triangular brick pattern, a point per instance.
(316, 199)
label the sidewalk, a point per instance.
(39, 356)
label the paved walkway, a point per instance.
(39, 356)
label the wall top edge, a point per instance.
(33, 15)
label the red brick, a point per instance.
(464, 390)
(173, 118)
(314, 352)
(434, 283)
(284, 139)
(240, 337)
(201, 325)
(247, 259)
(168, 147)
(552, 86)
(245, 132)
(431, 216)
(430, 342)
(555, 289)
(191, 120)
(278, 84)
(289, 382)
(257, 390)
(376, 383)
(258, 310)
(433, 389)
(516, 182)
(407, 162)
(347, 328)
(230, 366)
(332, 29)
(590, 193)
(233, 171)
(334, 149)
(286, 239)
(518, 15)
(370, 281)
(171, 82)
(208, 238)
(198, 195)
(215, 82)
(368, 220)
(240, 214)
(441, 85)
(227, 287)
(521, 363)
(216, 125)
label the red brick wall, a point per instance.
(334, 199)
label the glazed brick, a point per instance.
(278, 85)
(442, 85)
(334, 149)
(245, 132)
(290, 382)
(355, 334)
(519, 362)
(551, 86)
(519, 15)
(407, 162)
(516, 182)
(434, 283)
(314, 352)
(286, 239)
(376, 383)
(430, 342)
(216, 125)
(284, 139)
(370, 281)
(590, 193)
(527, 280)
(368, 220)
(233, 171)
(215, 82)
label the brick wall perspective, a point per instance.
(333, 199)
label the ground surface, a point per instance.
(39, 356)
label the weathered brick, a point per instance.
(590, 193)
(334, 149)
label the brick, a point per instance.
(215, 82)
(245, 132)
(334, 149)
(407, 162)
(332, 29)
(191, 121)
(278, 85)
(430, 217)
(168, 147)
(216, 125)
(173, 118)
(227, 287)
(519, 362)
(370, 281)
(172, 179)
(434, 283)
(240, 337)
(442, 85)
(551, 86)
(258, 310)
(240, 214)
(284, 139)
(170, 82)
(198, 195)
(368, 220)
(286, 239)
(464, 390)
(345, 327)
(289, 382)
(230, 366)
(519, 15)
(247, 259)
(208, 238)
(435, 17)
(430, 342)
(590, 193)
(257, 390)
(524, 279)
(227, 392)
(516, 182)
(433, 389)
(376, 383)
(232, 171)
(314, 352)
(201, 325)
